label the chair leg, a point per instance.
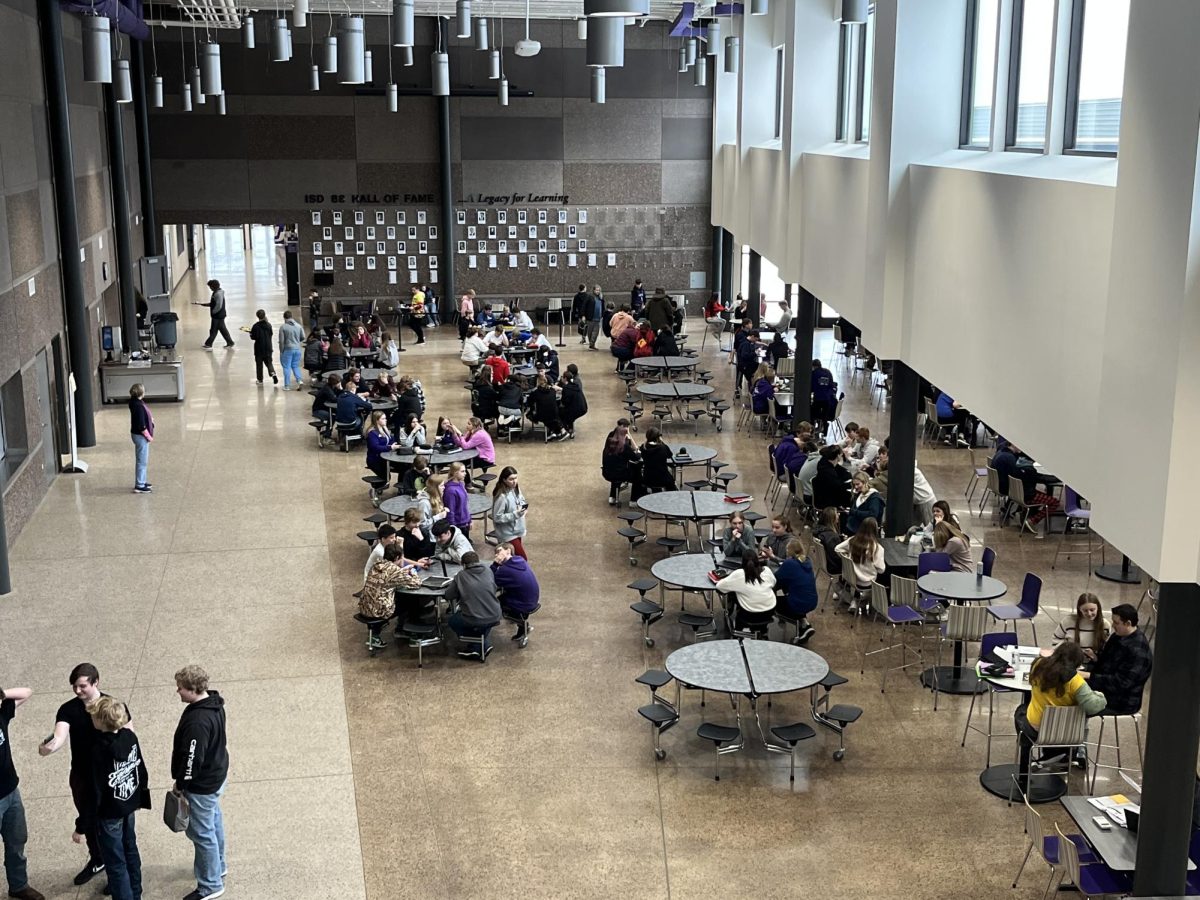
(970, 713)
(1024, 862)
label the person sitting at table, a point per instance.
(924, 533)
(408, 399)
(450, 542)
(429, 503)
(508, 510)
(951, 412)
(443, 435)
(572, 405)
(949, 539)
(543, 409)
(475, 438)
(807, 473)
(643, 344)
(867, 503)
(377, 600)
(536, 339)
(774, 545)
(620, 461)
(416, 545)
(496, 339)
(824, 395)
(1123, 664)
(339, 329)
(865, 555)
(665, 343)
(411, 434)
(336, 360)
(484, 319)
(359, 339)
(328, 392)
(621, 321)
(879, 480)
(797, 582)
(763, 391)
(1087, 626)
(353, 381)
(415, 476)
(713, 310)
(738, 538)
(741, 309)
(351, 409)
(522, 324)
(474, 349)
(518, 586)
(828, 534)
(510, 397)
(622, 346)
(778, 349)
(375, 328)
(498, 364)
(473, 591)
(753, 589)
(384, 387)
(1054, 680)
(1009, 460)
(314, 354)
(483, 396)
(545, 362)
(658, 467)
(389, 351)
(789, 454)
(831, 482)
(454, 495)
(379, 441)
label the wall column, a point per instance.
(447, 292)
(902, 448)
(120, 207)
(806, 319)
(727, 267)
(718, 240)
(755, 287)
(151, 236)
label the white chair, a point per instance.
(1061, 728)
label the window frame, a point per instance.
(1016, 39)
(967, 109)
(861, 87)
(780, 65)
(1074, 64)
(840, 129)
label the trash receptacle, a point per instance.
(165, 329)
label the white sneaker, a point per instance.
(853, 606)
(612, 502)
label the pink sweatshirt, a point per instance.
(481, 441)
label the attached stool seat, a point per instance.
(419, 635)
(791, 735)
(720, 734)
(372, 649)
(520, 618)
(698, 622)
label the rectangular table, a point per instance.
(1117, 847)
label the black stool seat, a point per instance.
(318, 424)
(696, 485)
(694, 620)
(844, 713)
(418, 629)
(716, 465)
(793, 734)
(653, 678)
(643, 584)
(485, 477)
(374, 480)
(658, 714)
(751, 516)
(631, 533)
(513, 616)
(647, 609)
(367, 536)
(718, 734)
(368, 620)
(632, 516)
(832, 680)
(725, 477)
(696, 413)
(670, 543)
(376, 518)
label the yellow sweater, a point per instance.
(1076, 693)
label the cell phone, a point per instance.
(1102, 823)
(48, 739)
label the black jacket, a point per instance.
(313, 356)
(408, 402)
(543, 403)
(261, 333)
(508, 395)
(483, 401)
(139, 417)
(620, 466)
(664, 344)
(199, 760)
(747, 356)
(831, 485)
(829, 540)
(120, 783)
(335, 364)
(661, 312)
(657, 471)
(325, 394)
(580, 304)
(573, 403)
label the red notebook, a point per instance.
(737, 498)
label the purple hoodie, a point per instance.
(458, 511)
(516, 579)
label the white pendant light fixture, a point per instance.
(300, 13)
(462, 18)
(758, 7)
(248, 32)
(97, 50)
(598, 84)
(854, 12)
(502, 87)
(122, 83)
(440, 70)
(700, 72)
(287, 43)
(393, 95)
(314, 77)
(185, 97)
(210, 69)
(481, 35)
(279, 47)
(331, 55)
(733, 52)
(713, 44)
(683, 60)
(581, 29)
(393, 98)
(527, 46)
(368, 67)
(618, 8)
(197, 90)
(221, 104)
(156, 92)
(606, 42)
(502, 92)
(692, 47)
(493, 65)
(403, 27)
(351, 61)
(406, 56)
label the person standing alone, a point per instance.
(199, 766)
(13, 830)
(595, 314)
(261, 333)
(141, 430)
(291, 350)
(216, 312)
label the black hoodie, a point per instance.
(120, 782)
(199, 761)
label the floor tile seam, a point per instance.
(171, 684)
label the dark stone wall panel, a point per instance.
(502, 137)
(610, 183)
(186, 136)
(93, 202)
(398, 178)
(299, 137)
(10, 346)
(689, 138)
(24, 214)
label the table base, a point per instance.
(998, 780)
(1122, 574)
(952, 681)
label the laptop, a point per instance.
(437, 582)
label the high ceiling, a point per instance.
(538, 9)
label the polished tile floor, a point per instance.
(531, 776)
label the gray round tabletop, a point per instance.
(690, 505)
(436, 457)
(373, 373)
(380, 405)
(397, 506)
(361, 352)
(711, 665)
(668, 363)
(747, 667)
(436, 568)
(776, 667)
(693, 454)
(962, 586)
(686, 570)
(675, 391)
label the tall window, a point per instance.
(1096, 76)
(1029, 73)
(855, 68)
(866, 69)
(844, 56)
(779, 60)
(979, 73)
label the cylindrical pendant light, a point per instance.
(606, 42)
(598, 84)
(403, 28)
(185, 96)
(493, 65)
(463, 18)
(692, 51)
(197, 91)
(581, 29)
(314, 78)
(700, 72)
(351, 61)
(758, 7)
(248, 32)
(221, 104)
(481, 35)
(210, 69)
(368, 67)
(300, 13)
(157, 92)
(683, 62)
(854, 11)
(733, 52)
(287, 43)
(279, 48)
(393, 95)
(502, 93)
(617, 8)
(406, 57)
(97, 50)
(440, 67)
(122, 83)
(714, 38)
(331, 55)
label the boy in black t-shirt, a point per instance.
(13, 830)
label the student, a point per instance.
(415, 477)
(831, 482)
(429, 502)
(328, 392)
(1123, 664)
(509, 507)
(738, 538)
(637, 298)
(336, 359)
(478, 612)
(664, 342)
(385, 536)
(753, 587)
(522, 324)
(660, 311)
(359, 338)
(824, 395)
(543, 405)
(867, 503)
(951, 412)
(658, 469)
(829, 535)
(416, 546)
(416, 313)
(619, 460)
(216, 313)
(778, 349)
(1087, 626)
(13, 830)
(483, 397)
(763, 391)
(509, 400)
(620, 322)
(314, 354)
(775, 545)
(121, 787)
(789, 454)
(537, 340)
(141, 430)
(379, 441)
(595, 314)
(466, 314)
(351, 409)
(389, 350)
(579, 308)
(378, 597)
(798, 583)
(572, 406)
(948, 539)
(498, 364)
(865, 555)
(747, 362)
(624, 344)
(384, 388)
(496, 339)
(454, 495)
(474, 349)
(291, 348)
(476, 438)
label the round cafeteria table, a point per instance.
(959, 587)
(668, 364)
(362, 353)
(690, 506)
(376, 405)
(899, 560)
(687, 570)
(438, 568)
(684, 455)
(436, 457)
(396, 507)
(669, 390)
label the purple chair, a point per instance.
(1027, 608)
(1075, 514)
(989, 560)
(1047, 845)
(1092, 880)
(989, 643)
(926, 563)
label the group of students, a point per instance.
(557, 404)
(109, 783)
(327, 350)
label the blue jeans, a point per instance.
(141, 456)
(206, 830)
(461, 627)
(122, 862)
(14, 834)
(290, 361)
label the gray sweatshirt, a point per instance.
(506, 515)
(475, 590)
(453, 550)
(291, 336)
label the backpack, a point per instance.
(642, 348)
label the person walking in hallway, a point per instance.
(216, 313)
(595, 314)
(13, 830)
(261, 333)
(141, 429)
(291, 350)
(199, 767)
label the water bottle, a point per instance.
(979, 573)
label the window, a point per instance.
(13, 443)
(979, 73)
(843, 114)
(778, 92)
(1029, 74)
(1095, 80)
(866, 68)
(855, 66)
